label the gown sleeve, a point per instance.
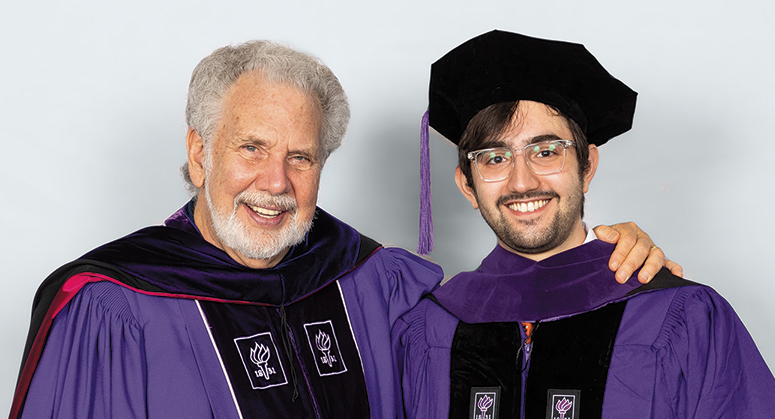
(93, 364)
(710, 366)
(384, 287)
(412, 277)
(422, 342)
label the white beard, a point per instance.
(253, 243)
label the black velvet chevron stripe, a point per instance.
(572, 353)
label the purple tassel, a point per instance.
(425, 244)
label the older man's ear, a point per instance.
(195, 151)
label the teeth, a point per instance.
(528, 207)
(265, 212)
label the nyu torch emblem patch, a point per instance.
(563, 404)
(325, 348)
(485, 403)
(261, 361)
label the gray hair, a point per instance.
(217, 72)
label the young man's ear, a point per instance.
(468, 191)
(195, 149)
(594, 159)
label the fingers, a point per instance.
(653, 264)
(611, 235)
(674, 268)
(634, 248)
(606, 234)
(625, 235)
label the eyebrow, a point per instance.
(545, 137)
(251, 139)
(493, 143)
(496, 142)
(310, 152)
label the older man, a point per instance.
(539, 329)
(250, 301)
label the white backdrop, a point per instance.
(91, 117)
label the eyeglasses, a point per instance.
(544, 158)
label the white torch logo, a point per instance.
(259, 355)
(563, 406)
(323, 342)
(484, 405)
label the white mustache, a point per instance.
(266, 200)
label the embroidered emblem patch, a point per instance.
(261, 360)
(563, 404)
(325, 348)
(485, 403)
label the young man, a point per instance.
(540, 329)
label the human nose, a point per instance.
(522, 177)
(273, 177)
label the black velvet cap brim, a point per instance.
(502, 67)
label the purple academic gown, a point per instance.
(161, 324)
(669, 349)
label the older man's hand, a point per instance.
(634, 248)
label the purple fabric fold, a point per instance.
(508, 287)
(176, 258)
